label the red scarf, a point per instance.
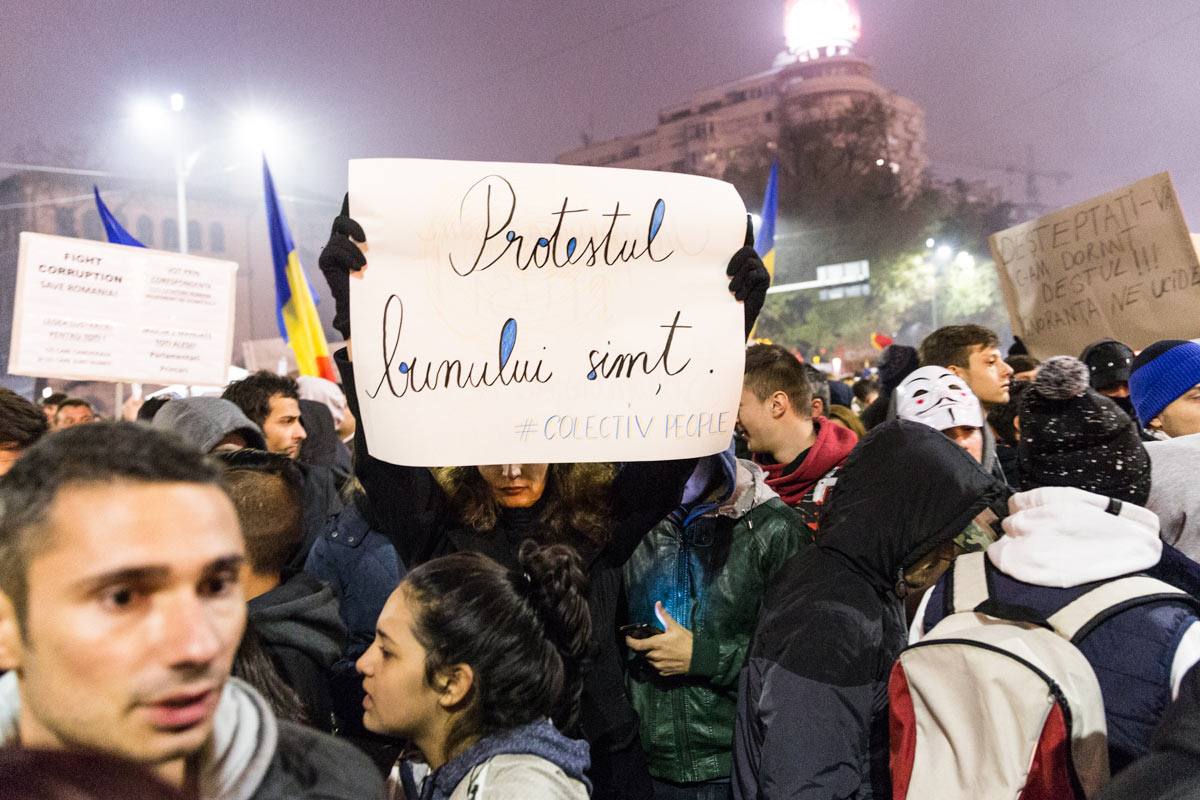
(830, 449)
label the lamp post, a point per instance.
(254, 129)
(182, 168)
(941, 256)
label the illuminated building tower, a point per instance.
(816, 77)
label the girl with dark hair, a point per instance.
(492, 509)
(471, 662)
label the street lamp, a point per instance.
(254, 129)
(942, 254)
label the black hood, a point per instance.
(300, 613)
(905, 489)
(319, 448)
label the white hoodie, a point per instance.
(1059, 536)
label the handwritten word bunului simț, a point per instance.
(450, 372)
(489, 207)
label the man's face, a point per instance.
(73, 415)
(50, 410)
(755, 422)
(134, 614)
(969, 438)
(1182, 417)
(282, 428)
(986, 374)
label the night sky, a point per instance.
(1104, 90)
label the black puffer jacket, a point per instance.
(408, 506)
(812, 700)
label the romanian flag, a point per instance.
(112, 229)
(881, 342)
(765, 244)
(297, 313)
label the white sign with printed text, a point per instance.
(528, 313)
(89, 310)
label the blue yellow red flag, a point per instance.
(297, 310)
(765, 242)
(112, 229)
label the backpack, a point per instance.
(995, 702)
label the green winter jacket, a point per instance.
(710, 570)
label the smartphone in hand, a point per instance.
(640, 630)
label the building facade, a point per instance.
(816, 78)
(220, 225)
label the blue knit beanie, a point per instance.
(1161, 374)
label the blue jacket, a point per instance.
(363, 569)
(1133, 652)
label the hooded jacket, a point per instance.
(321, 446)
(1171, 771)
(251, 755)
(832, 445)
(204, 421)
(709, 564)
(812, 701)
(1061, 542)
(302, 633)
(531, 762)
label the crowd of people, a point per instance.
(231, 597)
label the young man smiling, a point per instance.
(775, 419)
(120, 612)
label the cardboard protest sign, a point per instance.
(528, 313)
(1121, 265)
(89, 310)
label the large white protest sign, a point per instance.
(527, 313)
(1121, 265)
(94, 311)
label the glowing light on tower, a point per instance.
(817, 28)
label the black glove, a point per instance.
(340, 257)
(748, 278)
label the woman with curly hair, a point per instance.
(471, 662)
(600, 512)
(492, 509)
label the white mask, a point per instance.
(936, 397)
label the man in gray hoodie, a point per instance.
(120, 611)
(210, 424)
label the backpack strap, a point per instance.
(1080, 617)
(969, 582)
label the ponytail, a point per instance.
(526, 633)
(558, 589)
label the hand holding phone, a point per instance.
(639, 630)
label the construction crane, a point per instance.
(1032, 206)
